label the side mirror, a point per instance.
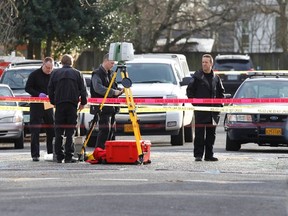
(185, 81)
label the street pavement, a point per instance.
(248, 182)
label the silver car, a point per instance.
(11, 119)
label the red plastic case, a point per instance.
(125, 151)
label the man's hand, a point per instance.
(118, 92)
(42, 95)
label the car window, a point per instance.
(263, 89)
(5, 92)
(149, 73)
(16, 79)
(232, 64)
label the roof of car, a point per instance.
(259, 79)
(27, 67)
(31, 62)
(4, 85)
(152, 60)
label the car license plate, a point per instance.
(26, 118)
(128, 128)
(232, 77)
(273, 131)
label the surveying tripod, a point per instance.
(126, 82)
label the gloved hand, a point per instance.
(118, 92)
(42, 95)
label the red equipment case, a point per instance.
(125, 151)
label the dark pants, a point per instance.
(65, 125)
(205, 135)
(106, 129)
(38, 116)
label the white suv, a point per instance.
(156, 78)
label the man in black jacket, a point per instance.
(67, 91)
(37, 86)
(205, 84)
(100, 81)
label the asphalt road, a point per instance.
(252, 181)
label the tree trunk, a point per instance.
(37, 50)
(30, 49)
(48, 47)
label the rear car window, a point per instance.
(16, 79)
(233, 64)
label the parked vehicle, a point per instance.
(232, 70)
(156, 78)
(16, 76)
(5, 61)
(11, 121)
(179, 58)
(31, 62)
(260, 127)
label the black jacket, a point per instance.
(101, 78)
(67, 85)
(199, 88)
(37, 83)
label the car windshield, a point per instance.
(263, 89)
(232, 64)
(5, 92)
(149, 73)
(16, 79)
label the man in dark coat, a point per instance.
(37, 86)
(205, 84)
(100, 81)
(67, 91)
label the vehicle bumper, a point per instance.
(11, 130)
(152, 123)
(255, 135)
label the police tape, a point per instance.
(255, 104)
(154, 109)
(159, 100)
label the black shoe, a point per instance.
(198, 159)
(35, 159)
(211, 159)
(71, 160)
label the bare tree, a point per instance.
(145, 22)
(8, 13)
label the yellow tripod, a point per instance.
(126, 82)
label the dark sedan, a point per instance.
(264, 127)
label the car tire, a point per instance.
(178, 140)
(232, 145)
(19, 143)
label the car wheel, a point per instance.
(188, 133)
(232, 145)
(19, 143)
(177, 140)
